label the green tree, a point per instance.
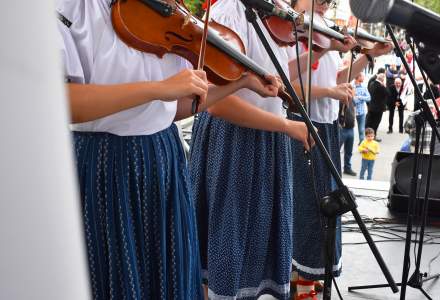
(433, 5)
(195, 6)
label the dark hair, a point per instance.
(369, 131)
(381, 71)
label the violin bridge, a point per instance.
(186, 20)
(300, 20)
(344, 30)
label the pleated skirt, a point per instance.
(242, 182)
(139, 218)
(308, 234)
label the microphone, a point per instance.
(271, 9)
(419, 22)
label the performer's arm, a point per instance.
(89, 102)
(216, 93)
(342, 92)
(241, 113)
(362, 61)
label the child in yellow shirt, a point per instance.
(369, 149)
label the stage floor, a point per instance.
(359, 265)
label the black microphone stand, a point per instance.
(338, 202)
(425, 116)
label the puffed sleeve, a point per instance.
(234, 19)
(73, 71)
(81, 23)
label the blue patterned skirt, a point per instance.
(242, 182)
(308, 235)
(139, 218)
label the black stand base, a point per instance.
(415, 282)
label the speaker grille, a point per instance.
(403, 175)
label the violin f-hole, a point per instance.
(169, 36)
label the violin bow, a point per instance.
(350, 67)
(201, 62)
(309, 78)
(309, 60)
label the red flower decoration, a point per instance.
(316, 64)
(205, 4)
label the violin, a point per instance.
(166, 26)
(363, 36)
(283, 31)
(364, 39)
(322, 34)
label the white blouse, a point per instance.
(324, 110)
(93, 54)
(231, 13)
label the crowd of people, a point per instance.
(389, 89)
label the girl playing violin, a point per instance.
(241, 172)
(329, 87)
(139, 218)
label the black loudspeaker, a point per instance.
(400, 183)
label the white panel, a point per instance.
(41, 244)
